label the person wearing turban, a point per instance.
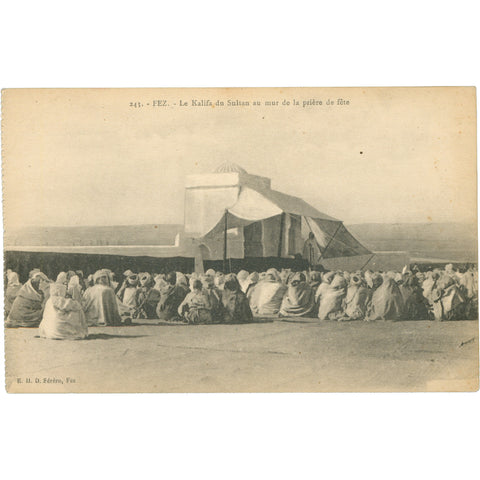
(147, 297)
(172, 295)
(100, 302)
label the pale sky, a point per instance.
(85, 157)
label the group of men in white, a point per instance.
(65, 308)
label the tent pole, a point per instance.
(225, 228)
(280, 240)
(330, 241)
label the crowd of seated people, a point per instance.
(64, 309)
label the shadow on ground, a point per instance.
(108, 336)
(157, 322)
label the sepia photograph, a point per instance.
(240, 240)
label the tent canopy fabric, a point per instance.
(333, 239)
(295, 205)
(255, 205)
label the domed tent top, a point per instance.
(229, 167)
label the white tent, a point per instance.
(276, 224)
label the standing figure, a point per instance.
(311, 250)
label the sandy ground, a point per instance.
(271, 356)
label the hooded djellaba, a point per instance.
(387, 301)
(242, 277)
(147, 297)
(358, 296)
(219, 280)
(128, 290)
(172, 295)
(182, 281)
(215, 296)
(196, 307)
(299, 300)
(27, 308)
(63, 317)
(236, 308)
(314, 280)
(448, 301)
(250, 284)
(100, 302)
(267, 296)
(13, 287)
(324, 285)
(468, 285)
(416, 305)
(429, 284)
(331, 299)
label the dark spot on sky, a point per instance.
(361, 153)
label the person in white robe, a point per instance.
(13, 287)
(196, 306)
(448, 301)
(324, 285)
(268, 294)
(100, 302)
(128, 290)
(220, 280)
(387, 302)
(299, 300)
(331, 299)
(63, 317)
(250, 284)
(356, 301)
(27, 308)
(242, 277)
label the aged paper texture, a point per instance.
(240, 240)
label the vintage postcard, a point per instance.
(240, 240)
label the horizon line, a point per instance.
(181, 224)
